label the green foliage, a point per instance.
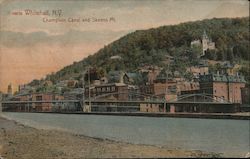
(141, 79)
(245, 71)
(35, 82)
(93, 76)
(229, 55)
(214, 68)
(189, 76)
(50, 89)
(231, 37)
(211, 54)
(65, 89)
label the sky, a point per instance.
(32, 46)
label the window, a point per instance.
(39, 97)
(103, 89)
(98, 89)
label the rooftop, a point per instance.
(222, 78)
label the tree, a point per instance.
(35, 82)
(211, 54)
(196, 50)
(220, 55)
(230, 55)
(143, 47)
(189, 76)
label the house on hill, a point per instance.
(122, 77)
(206, 43)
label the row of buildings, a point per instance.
(223, 87)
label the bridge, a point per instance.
(135, 102)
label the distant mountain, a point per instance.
(231, 37)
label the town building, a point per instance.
(228, 68)
(223, 88)
(198, 70)
(161, 89)
(152, 72)
(205, 43)
(74, 94)
(61, 85)
(151, 107)
(110, 91)
(117, 77)
(72, 83)
(187, 86)
(29, 107)
(25, 89)
(44, 97)
(245, 94)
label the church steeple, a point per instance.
(204, 35)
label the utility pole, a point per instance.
(30, 99)
(1, 108)
(165, 99)
(83, 91)
(89, 88)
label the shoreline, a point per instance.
(232, 116)
(20, 141)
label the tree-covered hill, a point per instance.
(231, 37)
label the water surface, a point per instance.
(229, 137)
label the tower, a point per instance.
(10, 89)
(205, 41)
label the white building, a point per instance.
(206, 43)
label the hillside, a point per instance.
(231, 37)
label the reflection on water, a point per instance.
(230, 137)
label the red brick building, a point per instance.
(161, 89)
(44, 97)
(187, 86)
(112, 91)
(27, 107)
(245, 94)
(223, 87)
(151, 108)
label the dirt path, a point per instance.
(19, 141)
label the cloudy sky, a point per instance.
(31, 47)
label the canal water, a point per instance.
(231, 138)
